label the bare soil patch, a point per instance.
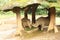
(8, 27)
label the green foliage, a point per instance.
(58, 11)
(3, 2)
(41, 12)
(6, 14)
(52, 0)
(1, 12)
(45, 4)
(58, 14)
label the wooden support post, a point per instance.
(52, 20)
(25, 13)
(19, 24)
(18, 19)
(33, 16)
(34, 7)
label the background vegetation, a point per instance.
(40, 10)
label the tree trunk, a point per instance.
(52, 20)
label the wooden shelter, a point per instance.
(17, 9)
(33, 7)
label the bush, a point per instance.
(52, 0)
(58, 14)
(58, 11)
(1, 13)
(41, 12)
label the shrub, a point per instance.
(41, 12)
(58, 14)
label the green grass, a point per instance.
(28, 29)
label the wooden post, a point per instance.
(52, 26)
(25, 13)
(33, 16)
(18, 19)
(19, 24)
(34, 7)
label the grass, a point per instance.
(28, 29)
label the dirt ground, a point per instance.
(8, 26)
